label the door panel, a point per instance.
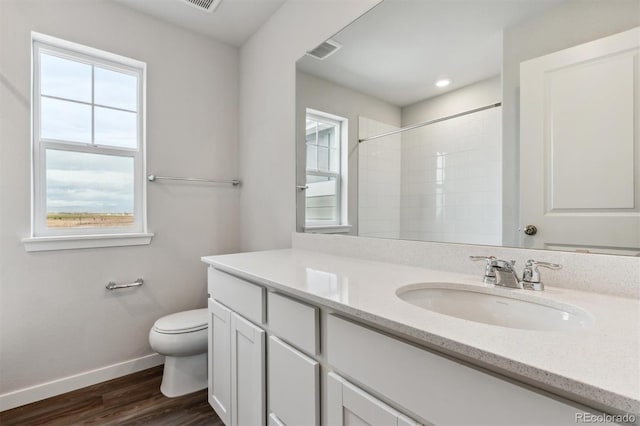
(293, 385)
(247, 372)
(579, 147)
(351, 406)
(219, 360)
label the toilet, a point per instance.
(182, 339)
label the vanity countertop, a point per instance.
(600, 364)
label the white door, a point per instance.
(348, 405)
(219, 362)
(247, 373)
(579, 149)
(293, 386)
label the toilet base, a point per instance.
(184, 374)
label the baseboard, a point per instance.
(67, 384)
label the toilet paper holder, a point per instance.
(113, 286)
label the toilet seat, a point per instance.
(182, 322)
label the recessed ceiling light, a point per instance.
(443, 82)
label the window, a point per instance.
(324, 170)
(88, 143)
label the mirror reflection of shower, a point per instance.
(437, 182)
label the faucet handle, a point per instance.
(545, 264)
(531, 274)
(489, 273)
(476, 258)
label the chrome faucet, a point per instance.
(506, 275)
(502, 273)
(531, 274)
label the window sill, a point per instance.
(85, 241)
(328, 229)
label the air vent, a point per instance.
(325, 50)
(204, 5)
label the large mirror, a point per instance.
(498, 122)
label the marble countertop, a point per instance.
(598, 365)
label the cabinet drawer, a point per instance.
(294, 322)
(434, 387)
(293, 386)
(238, 295)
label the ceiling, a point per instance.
(400, 48)
(233, 22)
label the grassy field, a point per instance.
(88, 220)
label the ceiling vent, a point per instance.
(204, 5)
(325, 50)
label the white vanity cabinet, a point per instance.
(219, 360)
(294, 380)
(247, 373)
(348, 405)
(267, 358)
(237, 369)
(436, 388)
(294, 377)
(238, 354)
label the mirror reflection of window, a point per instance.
(323, 178)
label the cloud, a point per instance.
(93, 183)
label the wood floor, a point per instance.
(130, 400)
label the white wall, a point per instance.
(475, 95)
(267, 113)
(56, 318)
(319, 94)
(570, 24)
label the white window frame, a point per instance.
(42, 237)
(340, 224)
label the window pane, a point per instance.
(116, 128)
(88, 190)
(69, 121)
(116, 89)
(323, 158)
(312, 157)
(321, 199)
(312, 127)
(326, 133)
(65, 78)
(333, 160)
(334, 138)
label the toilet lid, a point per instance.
(182, 322)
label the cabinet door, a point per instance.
(219, 361)
(348, 405)
(247, 373)
(293, 386)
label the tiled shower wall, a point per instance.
(440, 182)
(451, 180)
(379, 178)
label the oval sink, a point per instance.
(495, 306)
